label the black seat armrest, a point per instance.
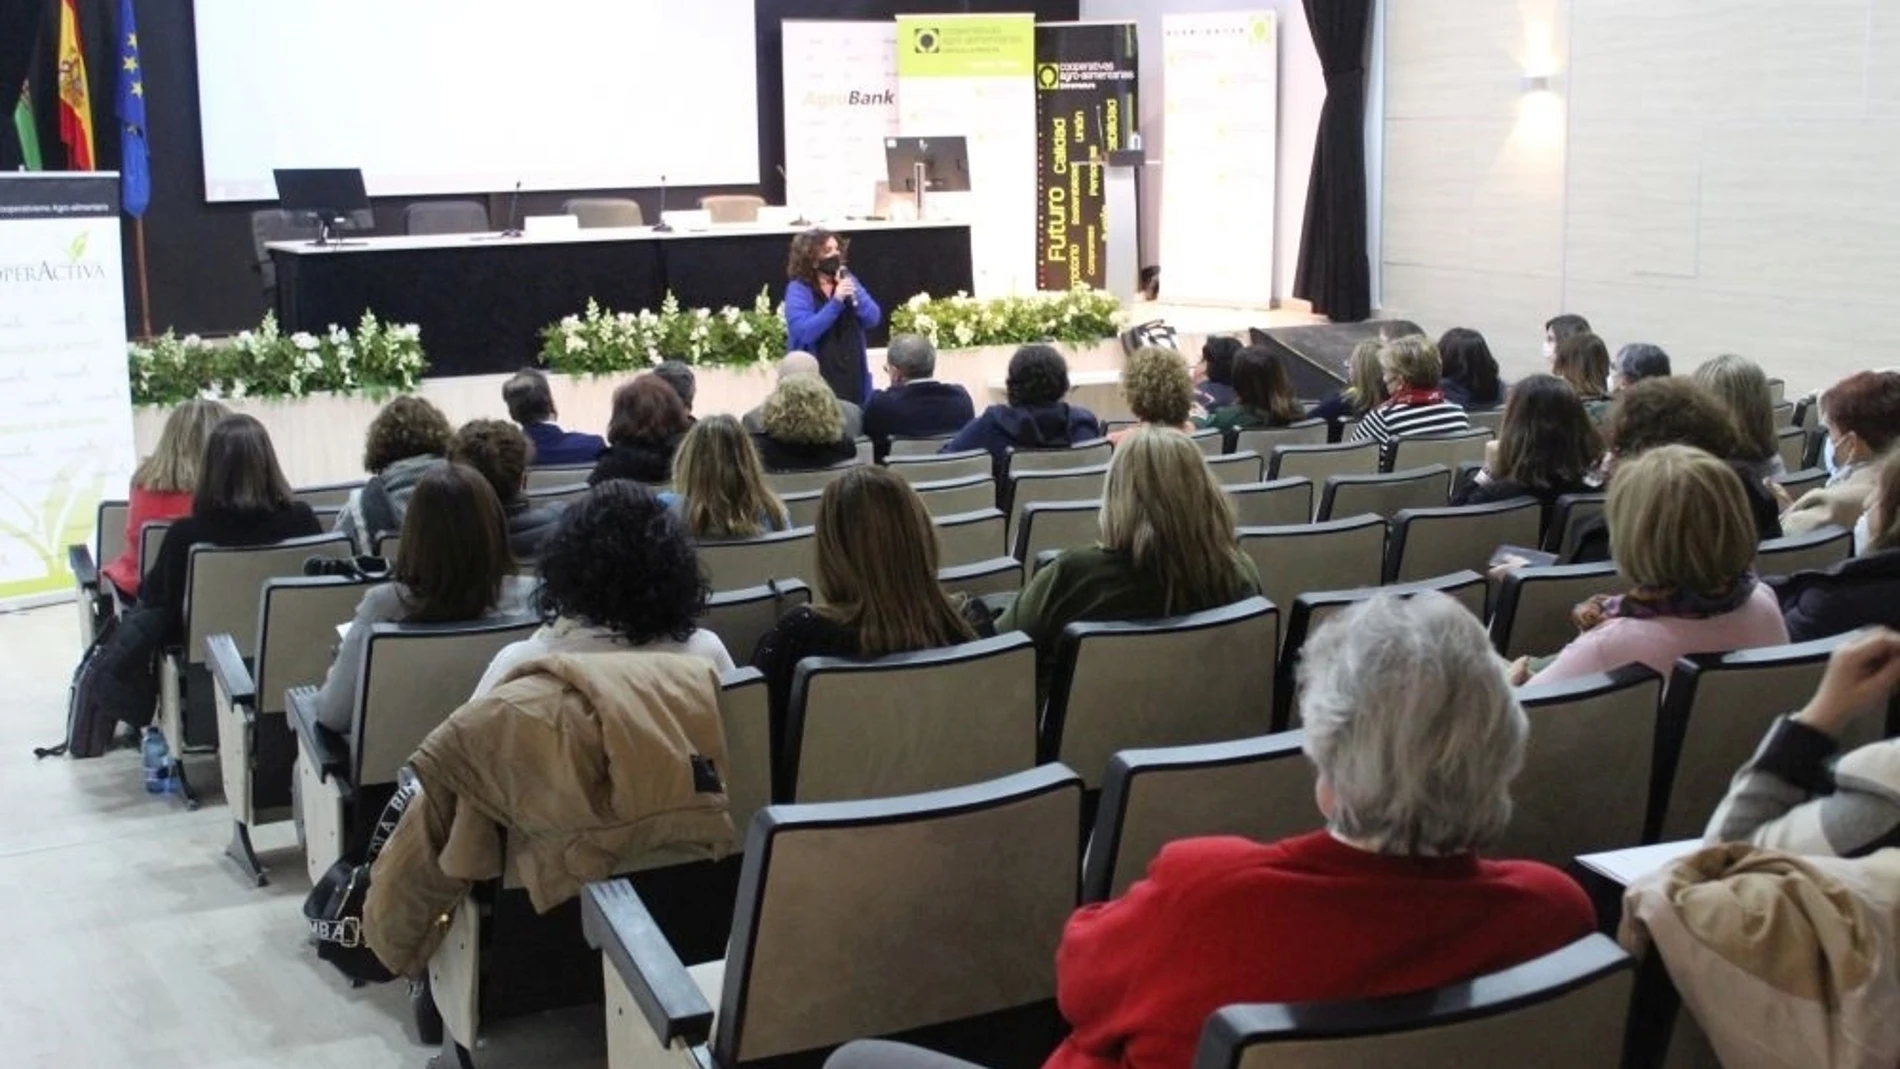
(85, 570)
(229, 674)
(328, 751)
(617, 924)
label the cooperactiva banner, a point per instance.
(1085, 109)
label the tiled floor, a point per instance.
(127, 938)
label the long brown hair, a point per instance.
(1584, 362)
(1163, 508)
(240, 472)
(808, 247)
(647, 410)
(721, 483)
(1261, 382)
(453, 554)
(173, 466)
(877, 566)
(1547, 440)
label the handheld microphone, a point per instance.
(662, 227)
(844, 274)
(514, 216)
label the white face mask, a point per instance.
(1863, 532)
(1827, 456)
(1550, 349)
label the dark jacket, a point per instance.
(1460, 394)
(1002, 428)
(643, 462)
(1212, 395)
(553, 446)
(916, 410)
(1593, 543)
(164, 585)
(1850, 595)
(528, 526)
(1473, 492)
(779, 455)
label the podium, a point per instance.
(1122, 193)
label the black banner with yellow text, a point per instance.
(1085, 109)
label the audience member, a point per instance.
(1794, 797)
(452, 566)
(1638, 361)
(679, 375)
(500, 452)
(1366, 391)
(719, 484)
(646, 428)
(803, 430)
(1214, 386)
(1263, 396)
(1417, 406)
(1471, 372)
(163, 485)
(1159, 390)
(531, 404)
(1584, 362)
(827, 310)
(1546, 447)
(1739, 384)
(1680, 532)
(1035, 417)
(916, 405)
(1416, 737)
(1557, 328)
(1168, 548)
(1858, 592)
(618, 574)
(407, 438)
(798, 363)
(1861, 417)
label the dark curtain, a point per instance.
(22, 36)
(1333, 273)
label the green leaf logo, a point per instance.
(77, 250)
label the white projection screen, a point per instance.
(472, 96)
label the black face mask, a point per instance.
(830, 265)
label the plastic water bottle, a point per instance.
(158, 759)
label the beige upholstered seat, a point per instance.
(1056, 525)
(1792, 444)
(747, 562)
(1263, 440)
(1800, 482)
(445, 217)
(1236, 469)
(798, 482)
(1204, 677)
(334, 495)
(1271, 504)
(732, 207)
(925, 447)
(1568, 517)
(1815, 550)
(543, 478)
(1585, 784)
(109, 531)
(867, 450)
(84, 561)
(911, 722)
(1490, 419)
(802, 508)
(1070, 484)
(1212, 443)
(558, 496)
(1437, 541)
(741, 617)
(1386, 495)
(1080, 455)
(1004, 575)
(970, 538)
(952, 497)
(1451, 450)
(1261, 788)
(599, 212)
(1338, 555)
(1317, 463)
(1532, 617)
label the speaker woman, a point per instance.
(827, 311)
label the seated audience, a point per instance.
(1366, 391)
(916, 405)
(1861, 417)
(1739, 384)
(803, 429)
(877, 589)
(719, 486)
(242, 499)
(1680, 532)
(1417, 406)
(1263, 396)
(1794, 797)
(1214, 386)
(679, 375)
(1638, 361)
(1559, 327)
(452, 566)
(163, 485)
(1584, 362)
(1035, 415)
(1546, 447)
(618, 574)
(1159, 391)
(1471, 372)
(531, 404)
(798, 363)
(1416, 737)
(407, 438)
(1168, 548)
(501, 453)
(646, 428)
(1861, 591)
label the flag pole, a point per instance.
(145, 289)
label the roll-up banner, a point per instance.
(840, 105)
(1085, 109)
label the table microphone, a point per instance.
(514, 209)
(662, 227)
(801, 221)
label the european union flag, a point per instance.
(134, 166)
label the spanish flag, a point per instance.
(75, 101)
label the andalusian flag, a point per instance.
(75, 100)
(27, 130)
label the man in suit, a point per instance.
(797, 363)
(530, 403)
(916, 405)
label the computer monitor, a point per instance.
(334, 196)
(946, 163)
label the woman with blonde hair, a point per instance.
(163, 485)
(1168, 548)
(877, 585)
(1682, 535)
(1159, 389)
(1417, 405)
(804, 430)
(1743, 389)
(1364, 392)
(719, 485)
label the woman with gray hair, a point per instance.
(1415, 734)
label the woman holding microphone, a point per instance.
(827, 312)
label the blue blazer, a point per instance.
(552, 445)
(916, 410)
(809, 317)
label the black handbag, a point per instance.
(334, 907)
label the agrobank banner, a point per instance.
(1085, 109)
(840, 105)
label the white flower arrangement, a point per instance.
(962, 321)
(602, 342)
(377, 359)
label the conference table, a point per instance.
(483, 299)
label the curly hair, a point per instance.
(1669, 411)
(808, 247)
(406, 427)
(803, 411)
(1158, 386)
(621, 560)
(498, 450)
(1037, 376)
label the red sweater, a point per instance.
(1221, 921)
(145, 507)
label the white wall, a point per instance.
(1708, 177)
(1302, 92)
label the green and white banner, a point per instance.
(1085, 109)
(66, 418)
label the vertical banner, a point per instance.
(972, 76)
(66, 429)
(1085, 109)
(840, 105)
(1217, 199)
